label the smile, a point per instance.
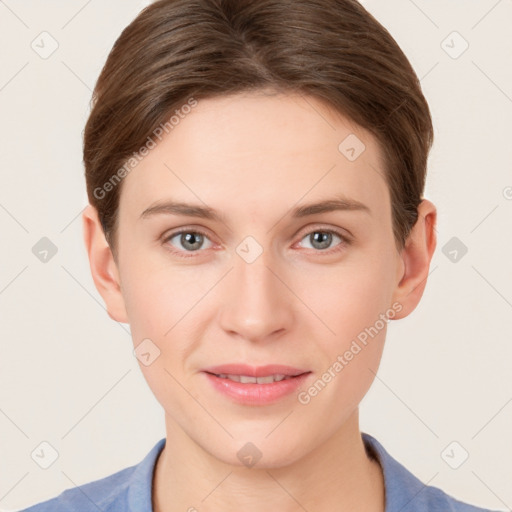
(247, 379)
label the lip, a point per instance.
(254, 393)
(255, 371)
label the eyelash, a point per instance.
(344, 241)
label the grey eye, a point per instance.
(321, 240)
(190, 240)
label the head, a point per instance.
(252, 112)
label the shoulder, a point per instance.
(93, 496)
(433, 498)
(128, 489)
(404, 491)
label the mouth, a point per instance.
(247, 379)
(251, 385)
(247, 374)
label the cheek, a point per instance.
(349, 299)
(351, 354)
(160, 302)
(159, 297)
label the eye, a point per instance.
(190, 240)
(321, 239)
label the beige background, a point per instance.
(68, 374)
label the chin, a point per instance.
(255, 450)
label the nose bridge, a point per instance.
(257, 303)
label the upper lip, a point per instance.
(255, 371)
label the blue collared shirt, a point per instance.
(129, 490)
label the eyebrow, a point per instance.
(170, 207)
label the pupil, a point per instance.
(189, 238)
(325, 236)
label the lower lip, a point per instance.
(254, 393)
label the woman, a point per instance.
(255, 173)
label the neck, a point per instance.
(335, 475)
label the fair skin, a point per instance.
(254, 158)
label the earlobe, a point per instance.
(416, 257)
(104, 269)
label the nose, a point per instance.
(257, 303)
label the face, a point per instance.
(260, 283)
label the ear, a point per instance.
(104, 269)
(416, 257)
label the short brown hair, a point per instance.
(332, 50)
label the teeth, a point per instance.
(246, 379)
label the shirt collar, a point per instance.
(141, 480)
(401, 486)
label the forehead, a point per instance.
(258, 154)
